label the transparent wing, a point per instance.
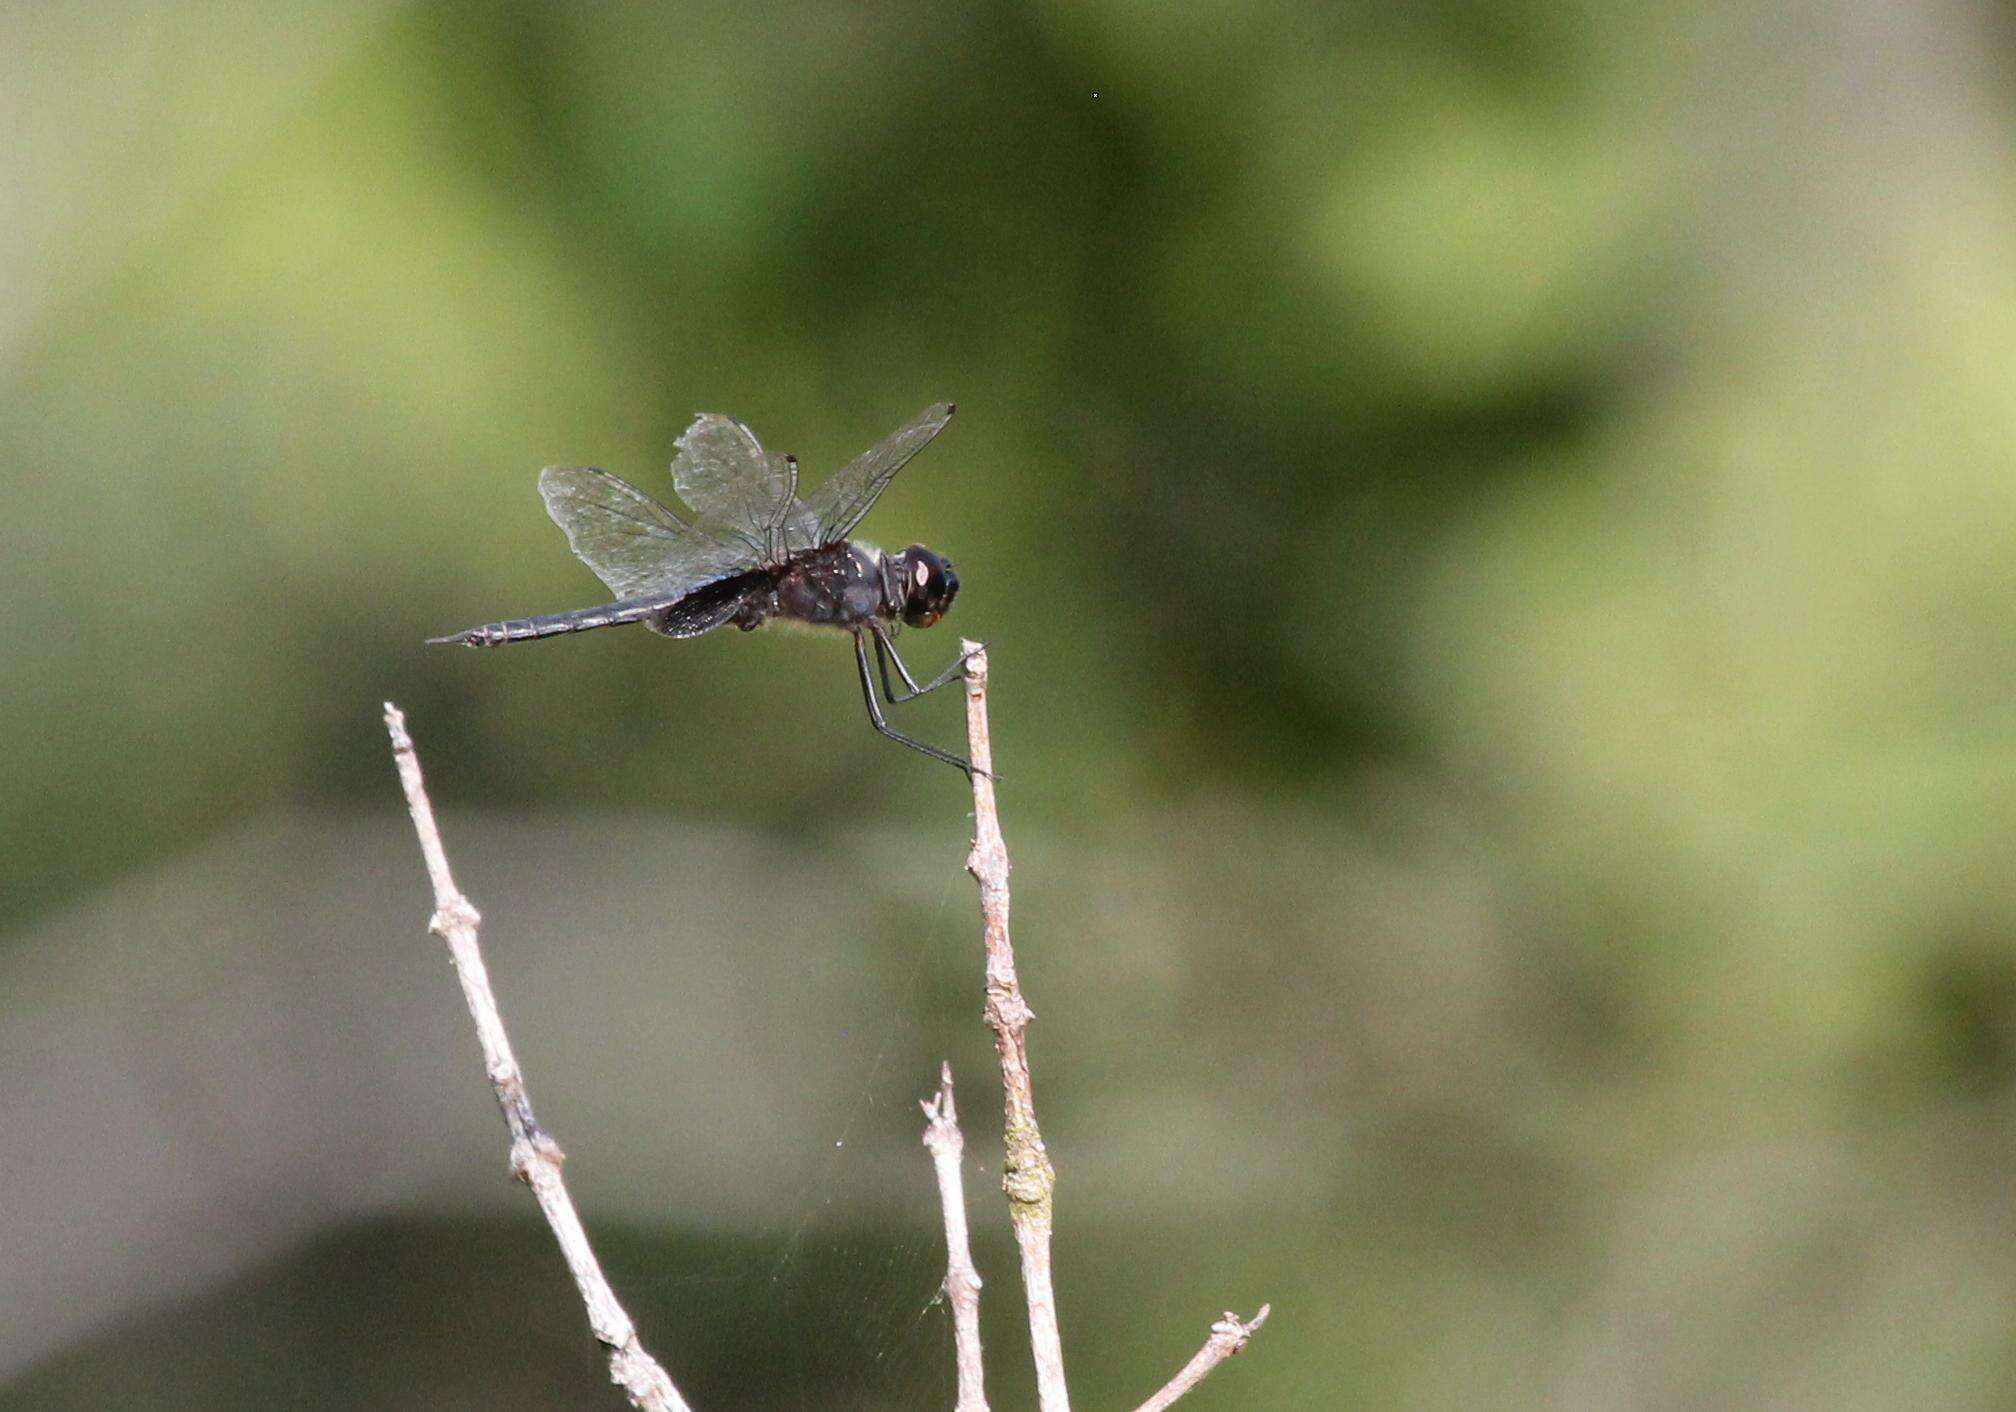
(724, 473)
(634, 544)
(837, 506)
(799, 527)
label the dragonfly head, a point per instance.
(928, 586)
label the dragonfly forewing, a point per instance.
(838, 505)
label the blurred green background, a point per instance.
(1495, 526)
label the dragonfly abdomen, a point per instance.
(551, 625)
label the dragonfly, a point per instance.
(751, 552)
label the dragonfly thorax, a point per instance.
(842, 585)
(850, 584)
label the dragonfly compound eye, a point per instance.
(929, 585)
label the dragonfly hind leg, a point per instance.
(885, 653)
(877, 720)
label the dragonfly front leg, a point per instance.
(875, 717)
(885, 652)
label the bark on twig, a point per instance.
(962, 1281)
(1228, 1336)
(1027, 1175)
(535, 1156)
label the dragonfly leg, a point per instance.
(875, 717)
(885, 652)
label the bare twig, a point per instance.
(1027, 1175)
(1228, 1336)
(962, 1282)
(535, 1156)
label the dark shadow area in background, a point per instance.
(460, 1313)
(447, 1313)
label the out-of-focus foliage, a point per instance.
(1495, 523)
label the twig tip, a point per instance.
(938, 1107)
(395, 726)
(974, 654)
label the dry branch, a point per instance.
(535, 1156)
(1228, 1336)
(962, 1281)
(1027, 1175)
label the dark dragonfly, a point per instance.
(752, 553)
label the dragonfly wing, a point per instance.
(837, 506)
(634, 544)
(799, 528)
(707, 608)
(724, 473)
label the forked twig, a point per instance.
(962, 1281)
(1028, 1178)
(535, 1156)
(1026, 1175)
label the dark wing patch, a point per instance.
(706, 608)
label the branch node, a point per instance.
(534, 1151)
(1006, 1009)
(456, 912)
(1029, 1184)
